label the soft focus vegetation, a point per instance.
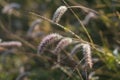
(23, 62)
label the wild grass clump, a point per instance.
(84, 47)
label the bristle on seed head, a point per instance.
(58, 13)
(62, 44)
(49, 39)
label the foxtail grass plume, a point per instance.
(33, 26)
(62, 44)
(58, 13)
(49, 39)
(87, 54)
(11, 44)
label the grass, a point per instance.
(101, 33)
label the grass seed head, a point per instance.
(87, 54)
(11, 44)
(58, 13)
(49, 39)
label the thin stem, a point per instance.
(86, 76)
(10, 20)
(77, 66)
(81, 24)
(79, 73)
(65, 71)
(84, 8)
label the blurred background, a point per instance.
(21, 62)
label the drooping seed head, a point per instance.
(49, 39)
(58, 13)
(33, 26)
(36, 22)
(87, 54)
(62, 44)
(8, 9)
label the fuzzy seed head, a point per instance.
(58, 13)
(49, 39)
(87, 55)
(11, 44)
(34, 25)
(62, 44)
